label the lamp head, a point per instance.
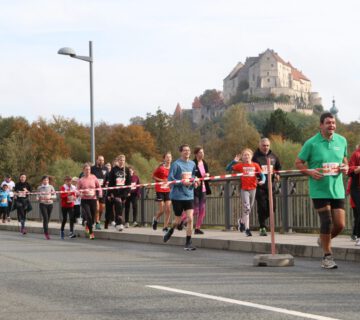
(67, 52)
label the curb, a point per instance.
(306, 251)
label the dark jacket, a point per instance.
(261, 159)
(122, 173)
(198, 191)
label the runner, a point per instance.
(11, 186)
(89, 186)
(326, 158)
(202, 190)
(22, 202)
(182, 194)
(4, 202)
(46, 198)
(161, 174)
(100, 171)
(119, 176)
(109, 201)
(68, 198)
(354, 173)
(249, 182)
(77, 203)
(132, 199)
(262, 192)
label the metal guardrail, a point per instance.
(294, 209)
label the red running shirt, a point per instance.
(249, 170)
(161, 172)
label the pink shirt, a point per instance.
(86, 186)
(203, 173)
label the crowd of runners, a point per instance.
(112, 189)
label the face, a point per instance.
(200, 155)
(45, 181)
(108, 166)
(68, 182)
(328, 127)
(131, 171)
(246, 156)
(100, 161)
(23, 178)
(7, 179)
(185, 153)
(168, 158)
(264, 146)
(87, 170)
(121, 161)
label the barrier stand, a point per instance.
(273, 259)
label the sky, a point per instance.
(151, 54)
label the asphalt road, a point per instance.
(83, 279)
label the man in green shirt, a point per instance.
(326, 157)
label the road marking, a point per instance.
(245, 303)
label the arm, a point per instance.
(314, 173)
(234, 161)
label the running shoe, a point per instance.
(328, 262)
(8, 219)
(263, 232)
(24, 230)
(198, 231)
(357, 243)
(72, 235)
(120, 227)
(98, 226)
(135, 224)
(113, 223)
(87, 231)
(62, 235)
(3, 220)
(47, 237)
(127, 225)
(154, 224)
(168, 234)
(241, 226)
(165, 230)
(353, 237)
(248, 233)
(318, 242)
(92, 236)
(189, 247)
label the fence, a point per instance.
(294, 209)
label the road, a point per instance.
(101, 279)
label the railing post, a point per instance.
(142, 206)
(285, 203)
(227, 207)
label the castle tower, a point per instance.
(334, 110)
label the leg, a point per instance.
(167, 213)
(325, 228)
(160, 210)
(127, 209)
(118, 210)
(262, 204)
(201, 212)
(338, 219)
(71, 219)
(245, 198)
(44, 215)
(134, 207)
(64, 218)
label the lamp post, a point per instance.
(71, 52)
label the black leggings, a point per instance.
(354, 192)
(133, 201)
(45, 210)
(21, 205)
(109, 211)
(262, 200)
(88, 207)
(65, 212)
(119, 204)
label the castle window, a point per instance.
(272, 65)
(268, 79)
(268, 73)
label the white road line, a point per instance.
(245, 303)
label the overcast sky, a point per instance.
(158, 53)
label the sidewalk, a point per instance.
(296, 244)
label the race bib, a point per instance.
(120, 181)
(164, 186)
(133, 184)
(45, 197)
(186, 175)
(264, 169)
(101, 181)
(22, 194)
(70, 198)
(330, 169)
(89, 193)
(249, 171)
(4, 200)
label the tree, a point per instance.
(280, 124)
(143, 167)
(64, 167)
(286, 150)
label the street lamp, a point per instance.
(71, 52)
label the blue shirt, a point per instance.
(4, 198)
(179, 170)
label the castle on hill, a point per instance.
(265, 82)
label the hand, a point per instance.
(344, 168)
(260, 183)
(316, 174)
(237, 158)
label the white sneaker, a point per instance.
(120, 227)
(357, 243)
(328, 263)
(113, 223)
(319, 242)
(135, 224)
(79, 221)
(127, 225)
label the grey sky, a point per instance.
(158, 53)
